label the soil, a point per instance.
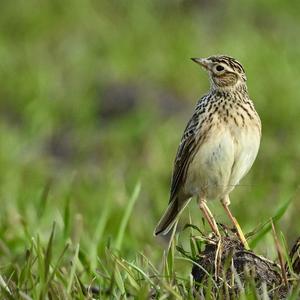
(234, 267)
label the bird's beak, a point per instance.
(204, 62)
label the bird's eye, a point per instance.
(219, 68)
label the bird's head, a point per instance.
(224, 71)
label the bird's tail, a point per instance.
(169, 217)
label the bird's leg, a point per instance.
(226, 202)
(211, 221)
(209, 217)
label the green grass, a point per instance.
(69, 274)
(94, 97)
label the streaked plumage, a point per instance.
(219, 143)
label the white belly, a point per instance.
(222, 161)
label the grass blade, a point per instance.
(280, 212)
(73, 270)
(126, 216)
(98, 235)
(43, 199)
(48, 254)
(119, 280)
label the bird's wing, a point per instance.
(187, 147)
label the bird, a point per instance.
(218, 147)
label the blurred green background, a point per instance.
(95, 96)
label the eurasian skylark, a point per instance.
(218, 146)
